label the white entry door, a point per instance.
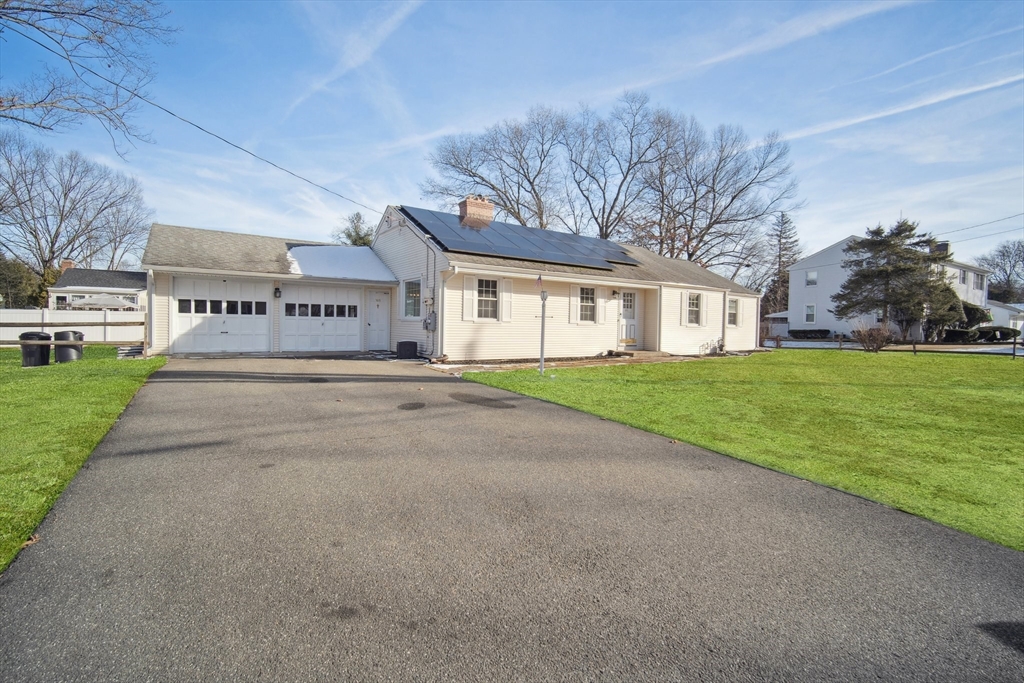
(378, 320)
(628, 319)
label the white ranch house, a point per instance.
(420, 281)
(814, 279)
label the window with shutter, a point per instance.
(487, 299)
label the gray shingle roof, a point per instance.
(652, 268)
(177, 247)
(89, 277)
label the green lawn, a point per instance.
(53, 417)
(938, 435)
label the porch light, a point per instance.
(277, 292)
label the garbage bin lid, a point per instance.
(34, 336)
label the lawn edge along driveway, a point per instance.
(937, 436)
(54, 416)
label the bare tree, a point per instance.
(1006, 283)
(514, 163)
(607, 161)
(97, 61)
(711, 196)
(55, 207)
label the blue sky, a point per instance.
(889, 107)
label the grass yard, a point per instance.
(937, 435)
(53, 417)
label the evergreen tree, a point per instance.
(785, 245)
(18, 284)
(892, 272)
(356, 232)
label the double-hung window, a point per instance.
(811, 279)
(809, 314)
(588, 304)
(733, 314)
(487, 299)
(979, 281)
(412, 299)
(963, 276)
(693, 306)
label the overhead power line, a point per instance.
(970, 227)
(189, 122)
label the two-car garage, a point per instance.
(222, 292)
(231, 315)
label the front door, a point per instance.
(628, 319)
(378, 320)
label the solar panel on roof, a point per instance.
(519, 242)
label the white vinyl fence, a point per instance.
(33, 320)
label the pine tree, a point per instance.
(785, 244)
(356, 233)
(892, 272)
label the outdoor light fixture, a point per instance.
(615, 294)
(277, 292)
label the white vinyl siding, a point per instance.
(677, 337)
(160, 325)
(518, 333)
(408, 258)
(743, 335)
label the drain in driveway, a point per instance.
(411, 406)
(482, 401)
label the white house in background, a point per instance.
(813, 281)
(1006, 315)
(79, 284)
(462, 286)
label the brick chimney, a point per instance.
(476, 211)
(941, 248)
(66, 264)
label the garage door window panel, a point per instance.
(289, 310)
(232, 308)
(261, 308)
(216, 307)
(328, 310)
(184, 305)
(246, 308)
(314, 310)
(353, 311)
(199, 306)
(303, 310)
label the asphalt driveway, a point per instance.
(292, 520)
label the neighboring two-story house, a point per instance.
(813, 281)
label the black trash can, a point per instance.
(66, 354)
(407, 349)
(34, 355)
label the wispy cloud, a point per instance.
(779, 36)
(947, 74)
(804, 26)
(901, 109)
(935, 53)
(355, 48)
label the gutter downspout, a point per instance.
(661, 295)
(441, 308)
(725, 315)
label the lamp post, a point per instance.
(543, 316)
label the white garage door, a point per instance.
(221, 315)
(321, 318)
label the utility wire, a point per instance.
(969, 227)
(191, 123)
